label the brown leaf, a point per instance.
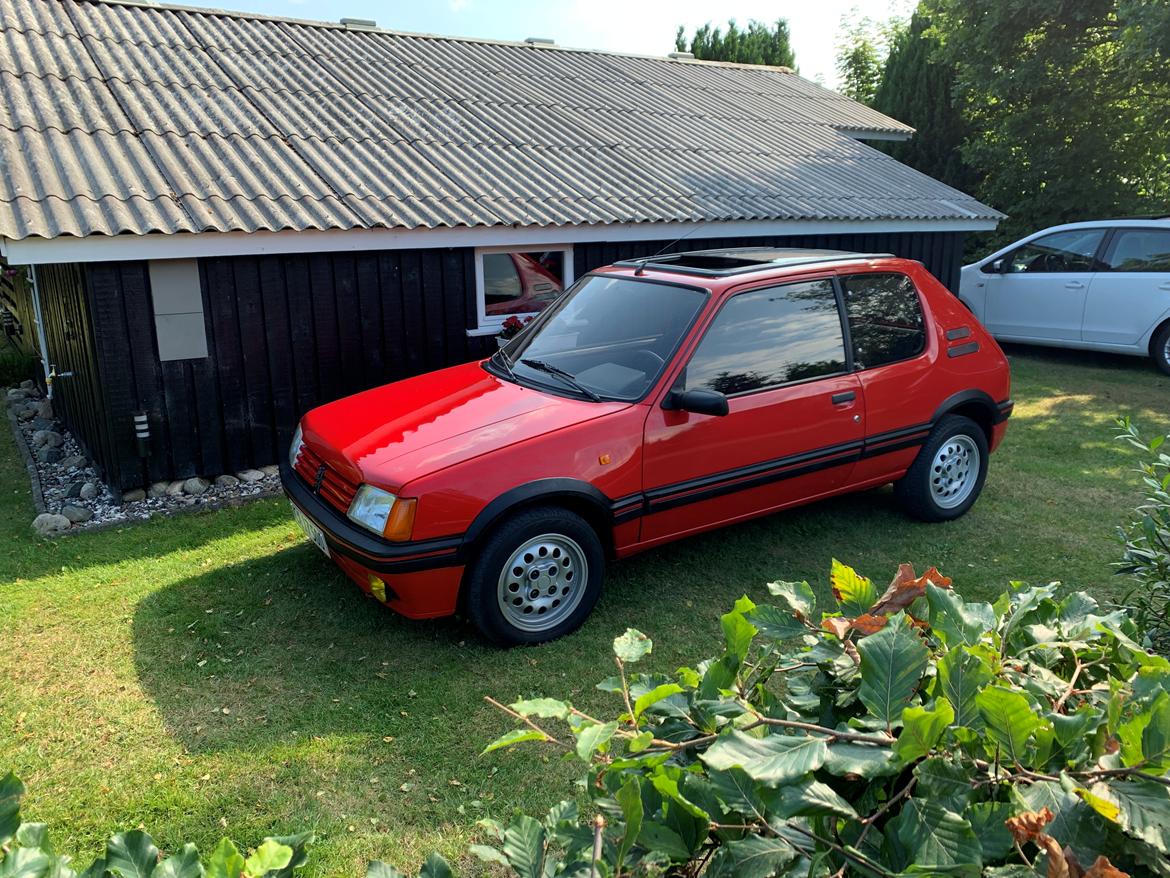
(837, 626)
(906, 588)
(1028, 825)
(1058, 865)
(1102, 868)
(867, 623)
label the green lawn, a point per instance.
(213, 674)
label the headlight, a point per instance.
(294, 450)
(371, 508)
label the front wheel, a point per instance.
(948, 474)
(1160, 349)
(536, 577)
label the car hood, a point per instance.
(390, 435)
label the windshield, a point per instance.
(607, 337)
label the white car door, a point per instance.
(1040, 289)
(1132, 290)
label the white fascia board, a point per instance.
(185, 245)
(862, 134)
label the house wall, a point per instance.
(15, 298)
(288, 332)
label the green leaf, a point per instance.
(488, 854)
(654, 696)
(547, 708)
(935, 836)
(1156, 735)
(1142, 809)
(987, 822)
(184, 864)
(629, 799)
(299, 843)
(1075, 824)
(855, 594)
(97, 869)
(798, 596)
(226, 861)
(810, 798)
(590, 737)
(131, 854)
(11, 789)
(757, 856)
(892, 664)
(632, 646)
(378, 869)
(861, 760)
(775, 623)
(737, 630)
(772, 759)
(269, 857)
(944, 782)
(738, 792)
(640, 742)
(1010, 718)
(434, 866)
(955, 621)
(524, 846)
(922, 729)
(34, 835)
(516, 736)
(657, 837)
(962, 675)
(26, 863)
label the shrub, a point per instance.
(16, 366)
(903, 733)
(1147, 541)
(26, 852)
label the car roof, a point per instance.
(731, 261)
(1120, 222)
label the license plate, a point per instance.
(311, 530)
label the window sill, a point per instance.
(481, 331)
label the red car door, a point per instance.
(794, 425)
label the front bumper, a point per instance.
(419, 578)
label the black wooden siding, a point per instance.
(287, 333)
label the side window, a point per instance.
(769, 337)
(515, 282)
(1145, 250)
(885, 318)
(1074, 250)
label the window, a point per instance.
(769, 337)
(179, 327)
(1140, 250)
(519, 282)
(1074, 250)
(885, 318)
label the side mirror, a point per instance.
(700, 402)
(999, 266)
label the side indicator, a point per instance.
(604, 460)
(401, 520)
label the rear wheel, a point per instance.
(948, 474)
(536, 577)
(1160, 349)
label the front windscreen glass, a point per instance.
(607, 337)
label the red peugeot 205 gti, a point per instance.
(654, 399)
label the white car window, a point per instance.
(1072, 250)
(1146, 250)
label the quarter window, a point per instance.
(768, 337)
(1074, 250)
(521, 283)
(885, 318)
(1140, 250)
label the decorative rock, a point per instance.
(41, 424)
(44, 409)
(77, 514)
(47, 524)
(16, 394)
(89, 491)
(175, 489)
(73, 461)
(136, 494)
(195, 486)
(47, 438)
(28, 384)
(270, 470)
(250, 475)
(158, 489)
(26, 414)
(74, 490)
(226, 481)
(48, 454)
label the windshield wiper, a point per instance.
(507, 364)
(567, 377)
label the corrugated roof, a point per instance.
(117, 117)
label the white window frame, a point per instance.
(491, 324)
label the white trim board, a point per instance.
(185, 245)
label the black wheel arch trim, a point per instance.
(552, 490)
(998, 412)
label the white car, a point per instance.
(1098, 285)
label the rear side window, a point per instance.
(1140, 250)
(885, 318)
(769, 337)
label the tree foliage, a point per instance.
(758, 43)
(906, 733)
(862, 47)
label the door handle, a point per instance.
(1165, 286)
(1074, 285)
(844, 396)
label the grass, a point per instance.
(211, 674)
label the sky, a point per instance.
(640, 26)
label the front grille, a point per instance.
(333, 488)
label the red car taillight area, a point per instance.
(334, 488)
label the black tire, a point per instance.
(1160, 349)
(916, 491)
(484, 590)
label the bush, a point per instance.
(903, 733)
(1147, 541)
(25, 852)
(16, 367)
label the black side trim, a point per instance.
(963, 349)
(347, 539)
(1004, 410)
(956, 334)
